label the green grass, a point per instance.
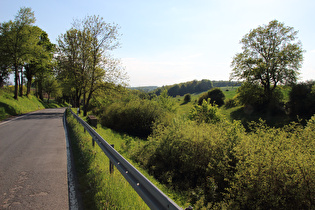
(11, 107)
(102, 190)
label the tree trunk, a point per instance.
(84, 104)
(16, 85)
(28, 87)
(21, 86)
(40, 91)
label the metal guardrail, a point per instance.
(150, 194)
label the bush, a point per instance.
(216, 97)
(253, 95)
(250, 94)
(275, 168)
(302, 99)
(187, 98)
(230, 103)
(135, 117)
(222, 165)
(192, 157)
(206, 113)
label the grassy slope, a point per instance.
(11, 107)
(238, 112)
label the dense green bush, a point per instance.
(222, 165)
(192, 157)
(205, 113)
(302, 99)
(135, 117)
(187, 98)
(216, 97)
(275, 168)
(250, 94)
(230, 103)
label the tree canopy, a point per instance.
(271, 55)
(84, 61)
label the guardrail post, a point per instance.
(111, 165)
(93, 142)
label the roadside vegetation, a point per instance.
(12, 107)
(202, 153)
(210, 144)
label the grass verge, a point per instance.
(12, 107)
(99, 188)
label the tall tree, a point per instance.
(15, 35)
(271, 55)
(84, 50)
(40, 59)
(5, 67)
(68, 65)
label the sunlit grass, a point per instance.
(100, 189)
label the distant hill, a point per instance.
(194, 86)
(144, 88)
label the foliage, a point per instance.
(84, 62)
(275, 168)
(167, 102)
(186, 87)
(135, 117)
(251, 94)
(271, 56)
(230, 103)
(192, 157)
(187, 98)
(51, 87)
(16, 44)
(302, 99)
(205, 113)
(194, 86)
(215, 95)
(222, 165)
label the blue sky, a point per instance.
(170, 41)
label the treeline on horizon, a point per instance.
(191, 87)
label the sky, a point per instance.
(171, 41)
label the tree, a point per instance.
(84, 60)
(51, 87)
(39, 62)
(215, 95)
(4, 64)
(271, 56)
(14, 37)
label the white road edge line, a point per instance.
(15, 118)
(73, 202)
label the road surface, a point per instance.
(33, 162)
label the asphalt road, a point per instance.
(33, 162)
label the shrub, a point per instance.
(302, 99)
(253, 95)
(206, 113)
(275, 168)
(135, 117)
(187, 98)
(192, 157)
(230, 103)
(250, 94)
(216, 97)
